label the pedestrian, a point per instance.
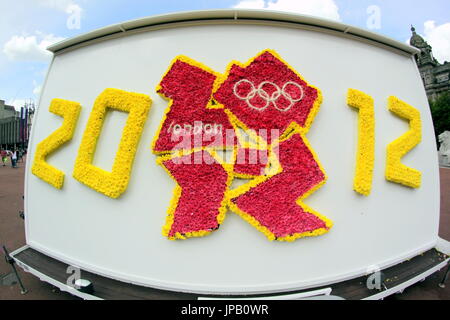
(4, 156)
(14, 159)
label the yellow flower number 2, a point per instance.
(70, 111)
(395, 170)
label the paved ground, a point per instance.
(12, 235)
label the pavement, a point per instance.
(12, 235)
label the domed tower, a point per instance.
(426, 53)
(426, 63)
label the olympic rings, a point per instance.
(273, 98)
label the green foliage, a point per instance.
(440, 111)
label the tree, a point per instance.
(440, 111)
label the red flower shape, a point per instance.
(273, 203)
(267, 94)
(203, 183)
(250, 162)
(189, 123)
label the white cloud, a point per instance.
(37, 89)
(439, 38)
(17, 103)
(30, 48)
(321, 8)
(251, 4)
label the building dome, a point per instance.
(416, 40)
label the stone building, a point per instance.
(9, 126)
(15, 126)
(7, 111)
(435, 76)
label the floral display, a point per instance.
(70, 112)
(191, 119)
(365, 159)
(199, 203)
(250, 162)
(266, 94)
(273, 203)
(395, 170)
(265, 100)
(112, 184)
(249, 123)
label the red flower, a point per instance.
(189, 123)
(267, 94)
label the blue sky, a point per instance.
(28, 26)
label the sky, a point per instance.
(28, 27)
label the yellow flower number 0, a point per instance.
(112, 184)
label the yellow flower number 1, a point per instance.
(365, 159)
(70, 111)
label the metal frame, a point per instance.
(295, 296)
(442, 284)
(231, 16)
(403, 286)
(53, 282)
(314, 293)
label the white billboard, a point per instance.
(340, 107)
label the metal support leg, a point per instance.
(12, 262)
(442, 284)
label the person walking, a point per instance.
(4, 156)
(14, 159)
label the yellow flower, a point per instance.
(112, 184)
(70, 112)
(395, 170)
(365, 160)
